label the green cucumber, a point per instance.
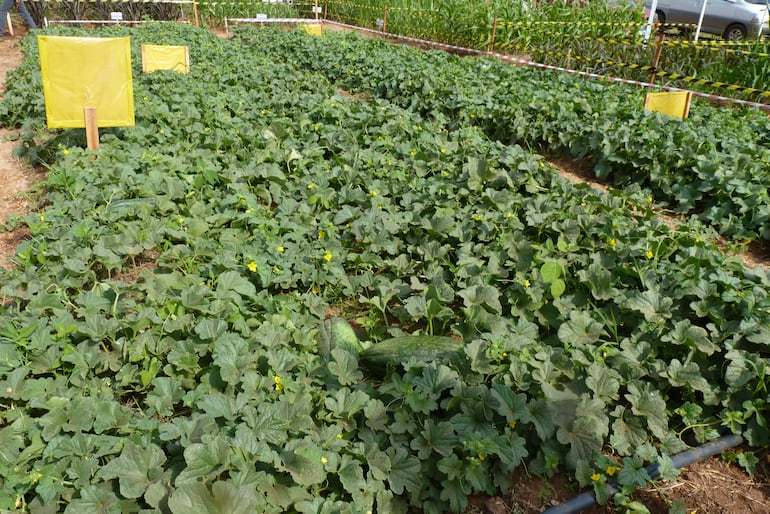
(337, 333)
(398, 350)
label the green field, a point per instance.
(163, 344)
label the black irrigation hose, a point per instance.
(680, 460)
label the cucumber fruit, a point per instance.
(398, 350)
(337, 333)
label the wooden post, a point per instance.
(385, 18)
(10, 25)
(326, 8)
(492, 38)
(315, 9)
(656, 57)
(195, 13)
(92, 128)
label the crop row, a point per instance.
(713, 165)
(158, 332)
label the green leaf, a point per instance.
(302, 459)
(604, 382)
(344, 366)
(404, 471)
(485, 296)
(223, 498)
(510, 404)
(204, 459)
(580, 330)
(633, 472)
(94, 499)
(646, 401)
(687, 334)
(651, 304)
(434, 437)
(133, 468)
(234, 281)
(551, 271)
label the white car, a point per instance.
(733, 20)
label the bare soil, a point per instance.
(711, 486)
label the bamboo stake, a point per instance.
(315, 9)
(195, 13)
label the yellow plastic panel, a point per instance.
(674, 103)
(314, 29)
(165, 57)
(81, 72)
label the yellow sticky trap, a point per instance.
(675, 103)
(314, 29)
(165, 57)
(80, 72)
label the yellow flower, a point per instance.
(65, 151)
(527, 283)
(321, 234)
(443, 150)
(649, 254)
(339, 436)
(611, 470)
(280, 249)
(252, 266)
(512, 425)
(596, 477)
(613, 242)
(481, 457)
(372, 193)
(278, 384)
(413, 153)
(42, 217)
(311, 186)
(328, 256)
(324, 460)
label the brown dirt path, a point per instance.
(16, 177)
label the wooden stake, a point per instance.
(492, 38)
(315, 9)
(195, 13)
(656, 57)
(92, 128)
(10, 25)
(385, 18)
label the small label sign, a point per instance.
(261, 17)
(116, 16)
(380, 22)
(318, 9)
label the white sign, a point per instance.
(380, 22)
(261, 17)
(116, 16)
(318, 9)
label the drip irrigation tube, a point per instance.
(680, 460)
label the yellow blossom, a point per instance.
(649, 254)
(42, 217)
(65, 151)
(321, 234)
(611, 470)
(324, 460)
(328, 256)
(280, 249)
(252, 266)
(527, 283)
(339, 436)
(311, 186)
(413, 153)
(512, 425)
(613, 242)
(596, 477)
(443, 150)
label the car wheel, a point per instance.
(735, 32)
